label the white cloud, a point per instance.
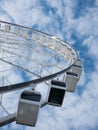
(78, 112)
(24, 12)
(92, 45)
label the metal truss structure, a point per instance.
(36, 56)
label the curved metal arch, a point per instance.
(12, 87)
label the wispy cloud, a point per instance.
(63, 19)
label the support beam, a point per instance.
(7, 119)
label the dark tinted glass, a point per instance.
(71, 73)
(56, 96)
(77, 66)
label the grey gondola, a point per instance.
(77, 69)
(78, 63)
(25, 33)
(7, 28)
(16, 30)
(56, 93)
(71, 81)
(28, 108)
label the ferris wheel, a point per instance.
(29, 57)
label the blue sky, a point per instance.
(76, 22)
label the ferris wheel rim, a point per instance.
(29, 83)
(45, 78)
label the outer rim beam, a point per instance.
(26, 84)
(11, 118)
(39, 80)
